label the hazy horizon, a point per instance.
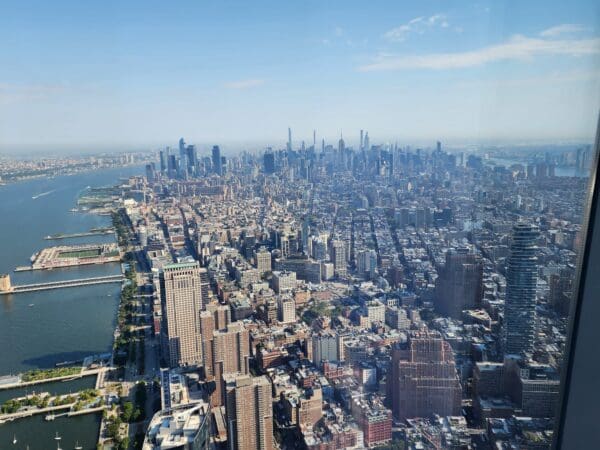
(235, 148)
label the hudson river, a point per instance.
(39, 329)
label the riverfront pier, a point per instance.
(56, 237)
(73, 255)
(7, 288)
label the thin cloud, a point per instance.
(244, 84)
(338, 31)
(418, 25)
(566, 28)
(518, 47)
(556, 77)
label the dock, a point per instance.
(63, 256)
(51, 410)
(18, 289)
(82, 374)
(55, 237)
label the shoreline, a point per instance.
(10, 182)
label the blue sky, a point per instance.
(111, 75)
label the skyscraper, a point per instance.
(338, 257)
(249, 412)
(181, 299)
(215, 317)
(327, 347)
(172, 166)
(460, 283)
(289, 143)
(163, 161)
(263, 260)
(269, 162)
(192, 158)
(216, 160)
(367, 263)
(150, 173)
(521, 283)
(181, 147)
(230, 354)
(423, 380)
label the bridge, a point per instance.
(9, 289)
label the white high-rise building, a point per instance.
(286, 310)
(263, 261)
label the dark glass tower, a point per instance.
(521, 281)
(163, 161)
(269, 163)
(216, 160)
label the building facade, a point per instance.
(521, 284)
(181, 298)
(249, 412)
(423, 379)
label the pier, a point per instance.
(7, 288)
(73, 255)
(54, 237)
(51, 410)
(84, 373)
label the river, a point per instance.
(39, 329)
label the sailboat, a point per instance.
(57, 437)
(14, 439)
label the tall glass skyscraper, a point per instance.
(216, 160)
(521, 282)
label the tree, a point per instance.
(124, 444)
(127, 414)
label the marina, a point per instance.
(61, 324)
(73, 432)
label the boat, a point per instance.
(77, 446)
(14, 439)
(42, 194)
(31, 305)
(49, 417)
(57, 437)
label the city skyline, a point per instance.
(298, 225)
(259, 294)
(77, 77)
